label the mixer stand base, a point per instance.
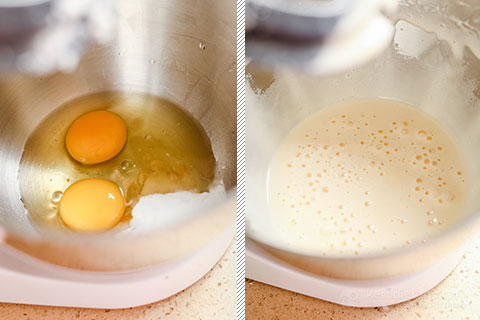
(27, 280)
(263, 267)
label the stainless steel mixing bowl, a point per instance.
(183, 51)
(435, 67)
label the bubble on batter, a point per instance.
(421, 133)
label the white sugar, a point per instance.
(164, 210)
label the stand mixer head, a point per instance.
(43, 36)
(317, 36)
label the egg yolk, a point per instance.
(96, 137)
(90, 205)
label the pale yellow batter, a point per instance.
(364, 177)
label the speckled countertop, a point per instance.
(212, 297)
(457, 297)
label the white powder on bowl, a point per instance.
(163, 210)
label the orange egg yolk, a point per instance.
(91, 205)
(96, 137)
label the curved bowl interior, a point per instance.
(182, 51)
(419, 69)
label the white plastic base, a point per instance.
(263, 267)
(27, 280)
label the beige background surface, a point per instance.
(212, 297)
(457, 297)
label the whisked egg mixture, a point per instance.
(364, 177)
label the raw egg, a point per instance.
(96, 137)
(90, 205)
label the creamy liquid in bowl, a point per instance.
(366, 176)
